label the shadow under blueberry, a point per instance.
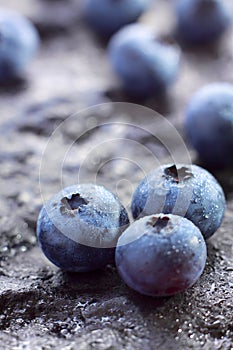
(49, 30)
(222, 174)
(93, 282)
(14, 85)
(210, 50)
(160, 103)
(145, 303)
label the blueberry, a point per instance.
(108, 16)
(145, 66)
(201, 21)
(78, 228)
(19, 41)
(209, 124)
(161, 255)
(183, 190)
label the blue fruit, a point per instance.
(201, 21)
(108, 16)
(183, 190)
(209, 124)
(19, 41)
(78, 228)
(161, 255)
(145, 66)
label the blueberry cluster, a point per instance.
(145, 64)
(175, 207)
(198, 21)
(163, 252)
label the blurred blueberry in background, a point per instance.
(19, 42)
(201, 21)
(145, 66)
(108, 16)
(209, 124)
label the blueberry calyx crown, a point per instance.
(177, 174)
(72, 204)
(158, 222)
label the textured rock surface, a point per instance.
(40, 306)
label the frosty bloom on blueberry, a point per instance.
(78, 228)
(108, 16)
(19, 42)
(185, 190)
(201, 21)
(161, 255)
(145, 65)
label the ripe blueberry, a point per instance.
(161, 255)
(201, 21)
(183, 190)
(108, 16)
(145, 66)
(19, 41)
(209, 124)
(78, 228)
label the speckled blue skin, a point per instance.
(145, 66)
(19, 42)
(209, 124)
(195, 195)
(108, 16)
(161, 255)
(78, 228)
(201, 21)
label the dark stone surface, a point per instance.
(41, 306)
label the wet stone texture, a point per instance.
(42, 307)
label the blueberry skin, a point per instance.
(19, 42)
(209, 124)
(78, 228)
(161, 255)
(185, 190)
(201, 21)
(108, 16)
(145, 66)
